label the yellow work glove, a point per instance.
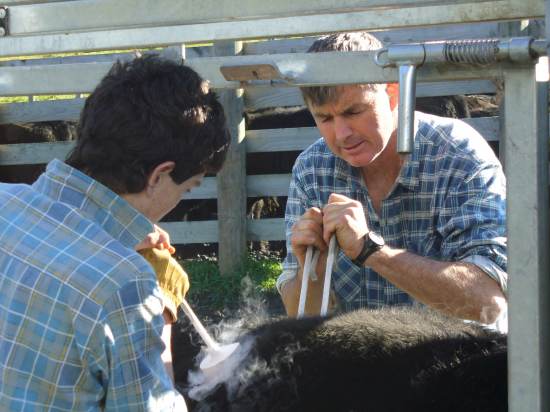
(173, 280)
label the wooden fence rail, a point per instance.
(256, 141)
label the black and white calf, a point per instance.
(395, 360)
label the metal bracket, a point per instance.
(251, 72)
(3, 21)
(248, 73)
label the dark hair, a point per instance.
(352, 41)
(145, 112)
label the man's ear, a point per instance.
(161, 171)
(393, 93)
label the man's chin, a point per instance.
(358, 161)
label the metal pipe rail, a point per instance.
(126, 24)
(482, 52)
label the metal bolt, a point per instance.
(3, 12)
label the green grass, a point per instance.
(211, 290)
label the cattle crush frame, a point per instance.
(34, 27)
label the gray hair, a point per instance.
(351, 41)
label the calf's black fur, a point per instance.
(395, 360)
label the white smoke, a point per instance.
(203, 382)
(234, 371)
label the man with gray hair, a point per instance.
(426, 228)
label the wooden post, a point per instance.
(232, 178)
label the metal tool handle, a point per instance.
(305, 282)
(332, 250)
(407, 103)
(210, 343)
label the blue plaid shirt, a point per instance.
(448, 204)
(80, 310)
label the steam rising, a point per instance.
(203, 382)
(238, 372)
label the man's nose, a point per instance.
(342, 128)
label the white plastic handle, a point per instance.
(210, 343)
(328, 274)
(310, 264)
(305, 281)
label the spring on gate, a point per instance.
(480, 52)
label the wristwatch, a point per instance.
(373, 242)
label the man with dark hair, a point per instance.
(424, 228)
(81, 313)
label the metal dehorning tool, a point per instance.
(407, 57)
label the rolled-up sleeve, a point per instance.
(474, 229)
(295, 208)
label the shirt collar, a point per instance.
(408, 177)
(342, 169)
(350, 175)
(95, 202)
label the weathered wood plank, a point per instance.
(33, 153)
(207, 190)
(268, 140)
(280, 140)
(256, 186)
(257, 98)
(266, 229)
(192, 232)
(207, 231)
(267, 185)
(68, 110)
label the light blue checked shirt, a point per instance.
(80, 310)
(448, 204)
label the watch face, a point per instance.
(376, 238)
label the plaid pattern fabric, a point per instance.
(448, 204)
(80, 310)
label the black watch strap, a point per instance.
(373, 242)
